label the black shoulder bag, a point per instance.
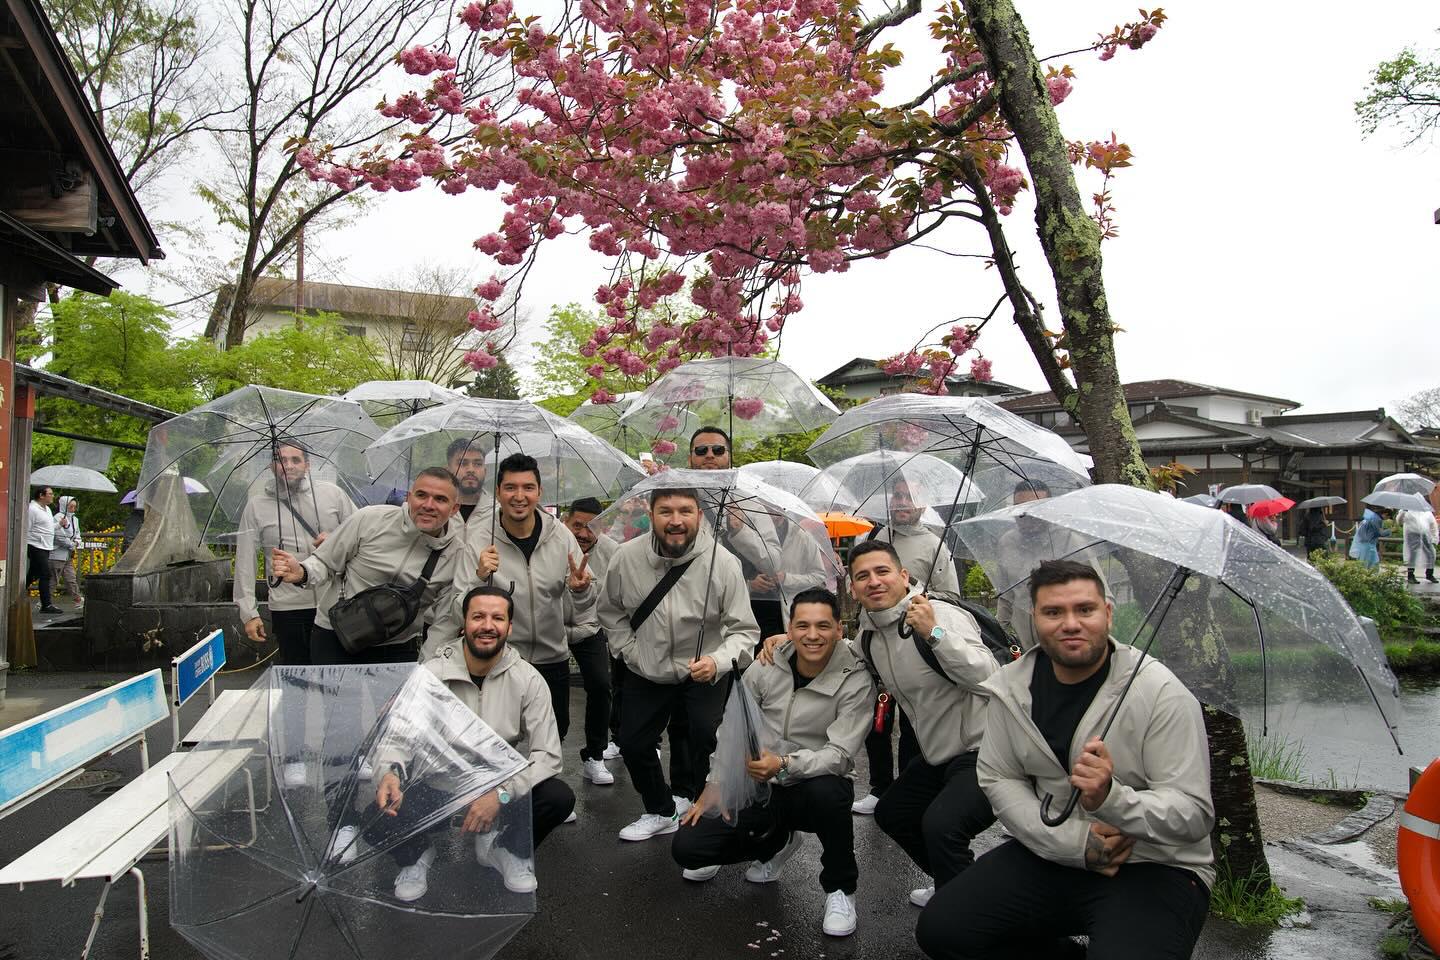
(381, 613)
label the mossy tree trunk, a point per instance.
(1071, 241)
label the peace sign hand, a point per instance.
(579, 579)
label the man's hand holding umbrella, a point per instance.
(488, 563)
(286, 567)
(1106, 848)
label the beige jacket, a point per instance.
(539, 590)
(826, 720)
(514, 702)
(949, 719)
(377, 545)
(582, 624)
(324, 506)
(666, 643)
(1160, 791)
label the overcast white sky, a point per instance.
(1263, 245)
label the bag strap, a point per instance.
(651, 601)
(430, 562)
(931, 660)
(290, 505)
(866, 637)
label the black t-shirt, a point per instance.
(527, 544)
(466, 509)
(478, 681)
(1057, 708)
(800, 679)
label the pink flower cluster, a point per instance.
(748, 408)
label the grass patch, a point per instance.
(1422, 656)
(1388, 904)
(1276, 758)
(1251, 901)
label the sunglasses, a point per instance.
(715, 450)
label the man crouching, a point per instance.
(511, 697)
(1132, 867)
(817, 697)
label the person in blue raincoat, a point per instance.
(1366, 545)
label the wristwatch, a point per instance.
(503, 795)
(783, 773)
(937, 633)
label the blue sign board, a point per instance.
(38, 751)
(195, 667)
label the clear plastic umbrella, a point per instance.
(785, 475)
(1392, 500)
(1242, 623)
(772, 532)
(1202, 499)
(1405, 483)
(750, 398)
(229, 445)
(1247, 493)
(903, 488)
(70, 477)
(272, 880)
(390, 401)
(1315, 502)
(573, 461)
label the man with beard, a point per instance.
(591, 651)
(660, 592)
(935, 808)
(292, 509)
(817, 696)
(467, 461)
(1132, 866)
(511, 697)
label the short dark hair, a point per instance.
(439, 473)
(816, 595)
(659, 493)
(518, 463)
(487, 590)
(285, 440)
(1032, 486)
(873, 546)
(710, 430)
(461, 445)
(586, 505)
(1052, 573)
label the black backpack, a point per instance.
(1004, 647)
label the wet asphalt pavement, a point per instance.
(601, 897)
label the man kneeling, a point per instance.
(1132, 866)
(516, 705)
(818, 698)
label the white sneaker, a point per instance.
(701, 874)
(345, 847)
(597, 773)
(572, 818)
(518, 873)
(650, 825)
(411, 882)
(922, 896)
(612, 752)
(865, 806)
(839, 914)
(682, 806)
(769, 871)
(293, 774)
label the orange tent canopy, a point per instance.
(840, 525)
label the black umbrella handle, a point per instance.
(1055, 821)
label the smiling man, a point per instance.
(536, 558)
(1131, 868)
(658, 592)
(817, 696)
(466, 459)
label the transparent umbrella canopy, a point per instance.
(1247, 493)
(1247, 627)
(750, 398)
(893, 488)
(770, 531)
(229, 445)
(783, 474)
(70, 477)
(573, 461)
(607, 421)
(252, 877)
(1405, 483)
(390, 401)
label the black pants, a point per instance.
(934, 812)
(1012, 903)
(649, 706)
(770, 615)
(593, 658)
(550, 803)
(39, 569)
(820, 805)
(557, 678)
(292, 635)
(881, 753)
(680, 767)
(617, 695)
(326, 648)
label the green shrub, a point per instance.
(1422, 656)
(978, 585)
(1275, 758)
(1251, 901)
(1377, 593)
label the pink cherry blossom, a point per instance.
(663, 448)
(748, 408)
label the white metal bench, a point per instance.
(193, 670)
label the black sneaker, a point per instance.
(51, 609)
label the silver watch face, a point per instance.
(937, 632)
